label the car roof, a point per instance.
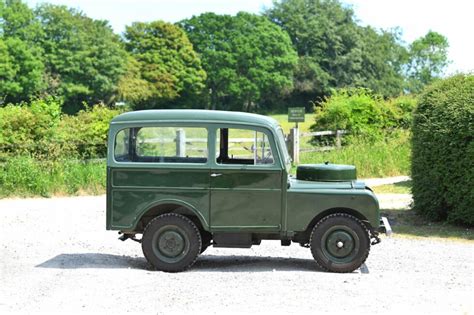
(194, 115)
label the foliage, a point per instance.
(357, 111)
(85, 134)
(383, 61)
(385, 157)
(403, 107)
(21, 64)
(164, 65)
(38, 129)
(335, 52)
(443, 150)
(25, 176)
(21, 70)
(29, 128)
(83, 57)
(247, 58)
(428, 60)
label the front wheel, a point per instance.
(171, 242)
(340, 243)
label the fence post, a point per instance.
(180, 143)
(294, 145)
(338, 138)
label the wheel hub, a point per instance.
(171, 243)
(340, 243)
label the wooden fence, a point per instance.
(294, 142)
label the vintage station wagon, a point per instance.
(189, 179)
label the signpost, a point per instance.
(296, 115)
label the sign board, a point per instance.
(296, 114)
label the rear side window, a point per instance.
(162, 145)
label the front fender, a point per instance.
(304, 205)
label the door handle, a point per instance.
(215, 174)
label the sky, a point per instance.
(454, 19)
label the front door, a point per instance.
(245, 182)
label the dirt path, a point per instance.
(57, 256)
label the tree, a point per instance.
(163, 64)
(326, 38)
(21, 71)
(335, 52)
(428, 60)
(84, 59)
(248, 59)
(21, 65)
(18, 20)
(383, 61)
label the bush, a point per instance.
(403, 107)
(28, 128)
(358, 111)
(39, 130)
(86, 133)
(443, 151)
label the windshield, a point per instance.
(282, 143)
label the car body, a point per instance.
(188, 179)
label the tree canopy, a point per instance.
(247, 58)
(294, 54)
(84, 59)
(428, 60)
(163, 65)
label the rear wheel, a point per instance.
(340, 243)
(171, 242)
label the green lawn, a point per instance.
(407, 223)
(397, 188)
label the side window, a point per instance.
(243, 146)
(162, 145)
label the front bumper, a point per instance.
(385, 226)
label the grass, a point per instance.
(397, 188)
(26, 177)
(385, 158)
(407, 223)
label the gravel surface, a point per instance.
(57, 256)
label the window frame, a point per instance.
(268, 133)
(157, 163)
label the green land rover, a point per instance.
(188, 179)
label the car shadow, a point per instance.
(94, 260)
(205, 263)
(231, 263)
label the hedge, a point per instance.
(443, 151)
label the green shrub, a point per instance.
(86, 133)
(403, 107)
(39, 130)
(26, 176)
(29, 128)
(443, 151)
(358, 111)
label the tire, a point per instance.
(340, 243)
(171, 242)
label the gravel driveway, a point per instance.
(57, 256)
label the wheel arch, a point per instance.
(170, 206)
(330, 211)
